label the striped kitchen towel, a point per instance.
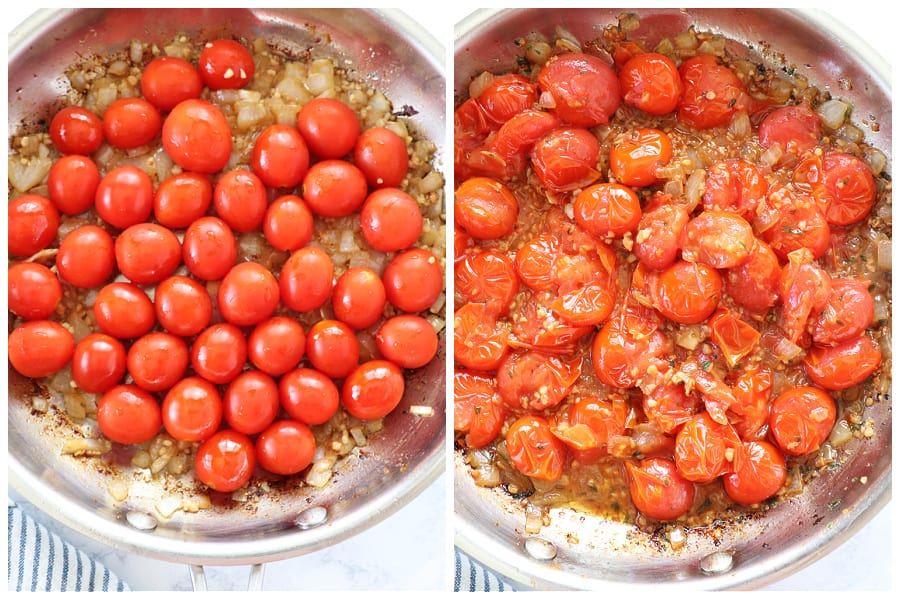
(472, 576)
(41, 561)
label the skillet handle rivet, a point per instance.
(717, 563)
(311, 517)
(540, 549)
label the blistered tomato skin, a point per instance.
(534, 450)
(657, 489)
(585, 89)
(485, 208)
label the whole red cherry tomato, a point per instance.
(306, 279)
(276, 345)
(127, 414)
(225, 64)
(359, 297)
(651, 82)
(248, 294)
(124, 197)
(86, 257)
(72, 183)
(192, 410)
(285, 447)
(168, 80)
(131, 123)
(182, 199)
(225, 461)
(147, 253)
(76, 130)
(330, 127)
(239, 197)
(34, 290)
(280, 156)
(534, 450)
(124, 310)
(98, 363)
(413, 280)
(332, 347)
(585, 89)
(157, 361)
(382, 157)
(390, 220)
(309, 396)
(373, 389)
(40, 348)
(209, 248)
(218, 354)
(251, 402)
(408, 341)
(182, 305)
(288, 223)
(196, 135)
(33, 222)
(334, 188)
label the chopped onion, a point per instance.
(875, 158)
(785, 350)
(840, 434)
(834, 112)
(694, 188)
(884, 255)
(480, 83)
(534, 518)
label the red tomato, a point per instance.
(534, 450)
(566, 159)
(651, 82)
(382, 157)
(712, 93)
(515, 139)
(608, 210)
(280, 156)
(131, 123)
(413, 280)
(168, 80)
(192, 410)
(585, 90)
(147, 253)
(461, 242)
(248, 294)
(182, 199)
(759, 475)
(505, 96)
(127, 414)
(705, 449)
(72, 183)
(752, 392)
(240, 200)
(844, 365)
(76, 130)
(719, 239)
(98, 363)
(735, 337)
(359, 297)
(286, 447)
(535, 381)
(658, 236)
(668, 406)
(330, 127)
(636, 157)
(124, 197)
(849, 187)
(225, 64)
(219, 353)
(251, 402)
(479, 342)
(485, 208)
(276, 345)
(800, 419)
(408, 341)
(373, 390)
(796, 222)
(34, 290)
(196, 135)
(33, 224)
(225, 461)
(157, 361)
(658, 490)
(848, 312)
(209, 248)
(537, 326)
(687, 292)
(332, 347)
(306, 279)
(477, 410)
(734, 185)
(334, 188)
(309, 396)
(754, 283)
(86, 257)
(796, 129)
(40, 348)
(587, 424)
(288, 223)
(390, 220)
(488, 277)
(124, 310)
(622, 353)
(804, 288)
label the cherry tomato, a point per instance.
(288, 223)
(209, 248)
(240, 200)
(382, 157)
(719, 239)
(182, 199)
(196, 135)
(796, 222)
(658, 236)
(752, 392)
(668, 405)
(534, 450)
(219, 353)
(147, 253)
(248, 294)
(608, 209)
(585, 89)
(131, 123)
(488, 277)
(759, 475)
(98, 363)
(712, 93)
(72, 183)
(332, 348)
(848, 312)
(225, 461)
(536, 326)
(621, 355)
(796, 129)
(804, 288)
(754, 283)
(334, 188)
(651, 82)
(286, 447)
(413, 280)
(586, 425)
(309, 396)
(373, 390)
(705, 449)
(658, 490)
(849, 187)
(76, 130)
(514, 140)
(330, 127)
(485, 208)
(801, 418)
(390, 220)
(687, 292)
(225, 64)
(34, 290)
(566, 159)
(461, 242)
(507, 95)
(192, 410)
(477, 410)
(127, 414)
(734, 185)
(735, 337)
(479, 342)
(168, 80)
(844, 365)
(636, 157)
(157, 361)
(124, 197)
(306, 279)
(535, 381)
(276, 345)
(251, 402)
(40, 348)
(359, 297)
(124, 310)
(408, 341)
(86, 257)
(33, 224)
(280, 156)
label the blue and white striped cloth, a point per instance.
(41, 561)
(472, 576)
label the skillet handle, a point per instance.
(254, 582)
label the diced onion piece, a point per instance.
(834, 112)
(85, 447)
(320, 472)
(875, 158)
(480, 83)
(884, 255)
(25, 174)
(534, 519)
(421, 410)
(168, 506)
(840, 434)
(785, 350)
(118, 490)
(694, 188)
